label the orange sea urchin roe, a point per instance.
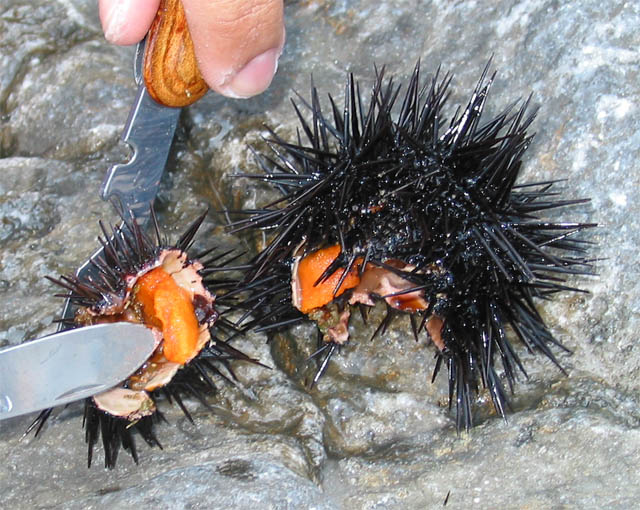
(168, 307)
(310, 268)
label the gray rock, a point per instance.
(374, 432)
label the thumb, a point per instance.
(237, 43)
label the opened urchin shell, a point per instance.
(438, 203)
(128, 254)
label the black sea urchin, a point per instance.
(390, 200)
(145, 279)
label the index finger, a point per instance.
(125, 22)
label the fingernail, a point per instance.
(254, 77)
(115, 21)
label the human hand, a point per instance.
(237, 42)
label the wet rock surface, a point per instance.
(374, 433)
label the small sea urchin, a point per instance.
(147, 280)
(389, 200)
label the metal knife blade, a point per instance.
(149, 132)
(71, 365)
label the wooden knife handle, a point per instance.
(170, 69)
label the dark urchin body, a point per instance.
(128, 251)
(391, 179)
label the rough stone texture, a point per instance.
(374, 433)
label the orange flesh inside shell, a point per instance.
(168, 307)
(310, 270)
(407, 304)
(374, 280)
